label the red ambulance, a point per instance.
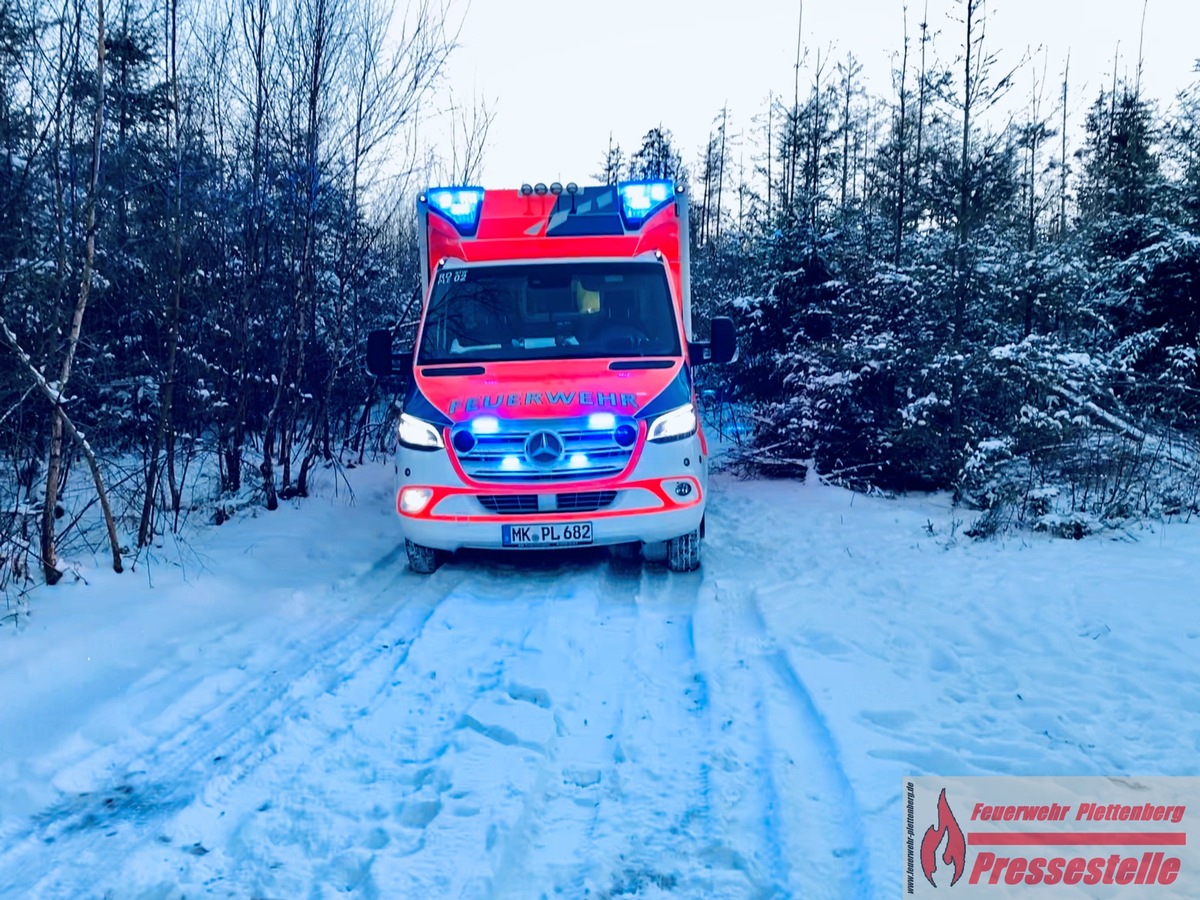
(551, 400)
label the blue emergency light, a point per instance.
(642, 199)
(461, 205)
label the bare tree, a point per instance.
(54, 395)
(318, 47)
(901, 143)
(386, 91)
(721, 158)
(58, 388)
(614, 163)
(792, 125)
(1032, 135)
(245, 39)
(708, 168)
(712, 178)
(163, 432)
(469, 126)
(1064, 167)
(849, 70)
(383, 93)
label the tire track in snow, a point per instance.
(579, 777)
(825, 814)
(365, 779)
(810, 837)
(572, 781)
(482, 727)
(364, 799)
(746, 845)
(161, 779)
(649, 834)
(653, 811)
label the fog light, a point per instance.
(679, 489)
(413, 500)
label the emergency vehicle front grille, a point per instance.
(510, 504)
(587, 452)
(589, 501)
(527, 504)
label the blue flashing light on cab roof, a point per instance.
(460, 205)
(642, 199)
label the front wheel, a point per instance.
(683, 552)
(422, 560)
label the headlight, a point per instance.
(678, 423)
(413, 500)
(418, 434)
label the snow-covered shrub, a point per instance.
(1068, 455)
(1074, 525)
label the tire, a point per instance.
(683, 552)
(422, 560)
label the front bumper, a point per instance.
(661, 497)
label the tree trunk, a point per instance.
(921, 96)
(1062, 189)
(54, 467)
(901, 146)
(64, 424)
(164, 431)
(962, 235)
(280, 418)
(721, 172)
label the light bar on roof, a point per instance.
(461, 205)
(642, 199)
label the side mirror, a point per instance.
(382, 360)
(723, 341)
(720, 348)
(379, 352)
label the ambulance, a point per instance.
(551, 396)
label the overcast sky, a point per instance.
(560, 75)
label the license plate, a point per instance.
(535, 534)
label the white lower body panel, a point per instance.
(645, 527)
(662, 497)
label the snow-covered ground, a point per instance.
(279, 708)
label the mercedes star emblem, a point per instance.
(544, 448)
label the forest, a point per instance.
(204, 208)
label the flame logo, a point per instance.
(956, 845)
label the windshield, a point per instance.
(549, 311)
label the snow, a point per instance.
(995, 445)
(277, 707)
